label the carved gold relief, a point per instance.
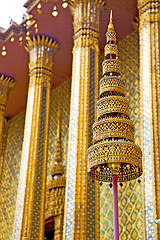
(111, 36)
(116, 104)
(113, 151)
(111, 49)
(148, 12)
(113, 127)
(110, 66)
(86, 14)
(115, 83)
(46, 48)
(127, 153)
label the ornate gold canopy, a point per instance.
(113, 151)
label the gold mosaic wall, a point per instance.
(130, 199)
(11, 168)
(12, 162)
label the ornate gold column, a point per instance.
(149, 30)
(81, 205)
(6, 84)
(29, 222)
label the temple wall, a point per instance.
(10, 174)
(130, 199)
(8, 192)
(130, 203)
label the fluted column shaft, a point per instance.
(80, 191)
(149, 30)
(6, 84)
(32, 185)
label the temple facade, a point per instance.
(50, 67)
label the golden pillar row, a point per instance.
(149, 31)
(6, 84)
(29, 221)
(82, 202)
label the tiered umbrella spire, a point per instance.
(113, 156)
(113, 151)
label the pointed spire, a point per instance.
(58, 167)
(111, 34)
(110, 25)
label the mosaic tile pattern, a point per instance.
(32, 96)
(130, 199)
(39, 170)
(77, 228)
(8, 191)
(73, 154)
(12, 162)
(90, 184)
(148, 167)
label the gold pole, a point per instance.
(32, 184)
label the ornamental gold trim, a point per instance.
(115, 83)
(111, 36)
(40, 76)
(111, 65)
(111, 49)
(118, 151)
(144, 5)
(113, 127)
(6, 81)
(57, 169)
(57, 183)
(42, 51)
(149, 12)
(86, 33)
(86, 14)
(117, 104)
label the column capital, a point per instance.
(6, 81)
(41, 50)
(149, 12)
(86, 15)
(6, 84)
